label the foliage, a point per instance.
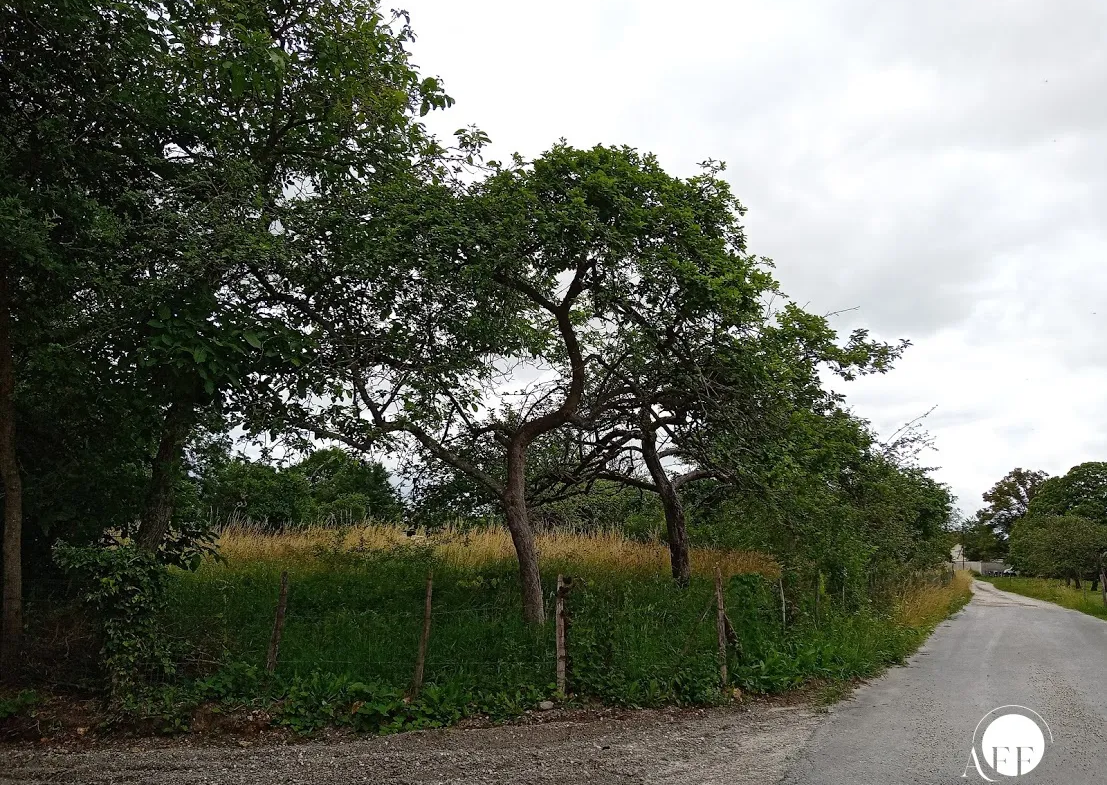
(1058, 546)
(635, 640)
(126, 588)
(327, 485)
(980, 540)
(229, 214)
(1082, 492)
(1010, 498)
(20, 703)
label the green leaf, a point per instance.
(252, 339)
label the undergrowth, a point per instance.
(635, 639)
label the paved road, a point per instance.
(915, 724)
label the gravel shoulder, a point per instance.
(753, 743)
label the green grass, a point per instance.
(354, 620)
(1055, 591)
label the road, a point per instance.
(913, 725)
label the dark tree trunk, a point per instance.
(157, 512)
(522, 534)
(1076, 580)
(675, 527)
(11, 618)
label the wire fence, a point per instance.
(476, 633)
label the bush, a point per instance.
(126, 588)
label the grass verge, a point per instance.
(1054, 591)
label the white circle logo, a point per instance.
(1009, 741)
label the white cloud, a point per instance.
(939, 166)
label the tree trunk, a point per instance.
(675, 527)
(522, 535)
(1076, 578)
(157, 512)
(11, 618)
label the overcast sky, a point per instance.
(940, 167)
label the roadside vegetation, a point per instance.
(355, 612)
(256, 319)
(1056, 591)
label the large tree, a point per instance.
(151, 155)
(1009, 499)
(450, 298)
(1059, 546)
(1082, 492)
(79, 115)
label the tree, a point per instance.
(78, 84)
(290, 106)
(449, 297)
(1009, 499)
(980, 541)
(1059, 546)
(1081, 492)
(729, 379)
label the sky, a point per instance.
(937, 171)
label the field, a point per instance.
(1055, 591)
(355, 613)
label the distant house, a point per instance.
(957, 556)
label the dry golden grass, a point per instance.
(604, 550)
(925, 604)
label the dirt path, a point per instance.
(740, 746)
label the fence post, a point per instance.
(720, 626)
(278, 625)
(560, 626)
(1103, 576)
(421, 658)
(783, 608)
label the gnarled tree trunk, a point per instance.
(522, 534)
(11, 618)
(675, 526)
(157, 512)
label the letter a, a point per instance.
(974, 761)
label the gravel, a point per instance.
(744, 744)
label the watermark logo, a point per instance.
(1008, 742)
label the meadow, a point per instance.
(1052, 590)
(355, 612)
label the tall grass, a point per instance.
(922, 605)
(356, 603)
(603, 550)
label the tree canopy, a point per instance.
(227, 221)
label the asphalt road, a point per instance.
(915, 725)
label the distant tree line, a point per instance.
(1046, 526)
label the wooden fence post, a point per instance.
(783, 608)
(278, 625)
(421, 658)
(1103, 576)
(560, 625)
(720, 626)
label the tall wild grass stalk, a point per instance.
(603, 550)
